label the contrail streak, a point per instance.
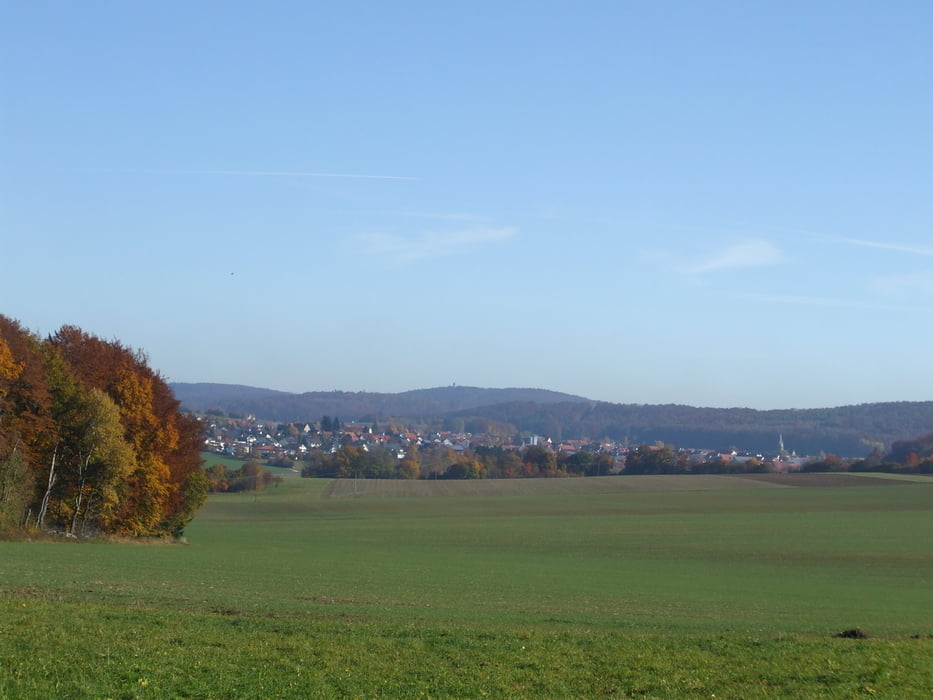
(263, 173)
(898, 247)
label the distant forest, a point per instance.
(850, 431)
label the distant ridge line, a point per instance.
(846, 431)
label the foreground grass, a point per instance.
(77, 651)
(732, 592)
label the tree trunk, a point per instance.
(40, 518)
(80, 497)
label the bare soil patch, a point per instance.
(854, 633)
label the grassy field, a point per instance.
(688, 586)
(211, 458)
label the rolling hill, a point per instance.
(424, 404)
(850, 431)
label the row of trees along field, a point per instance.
(439, 462)
(92, 441)
(905, 457)
(249, 477)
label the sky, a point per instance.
(705, 203)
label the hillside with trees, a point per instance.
(92, 440)
(420, 404)
(845, 430)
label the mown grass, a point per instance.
(732, 592)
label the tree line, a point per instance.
(845, 430)
(442, 462)
(905, 457)
(249, 477)
(665, 459)
(92, 441)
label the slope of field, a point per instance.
(395, 488)
(730, 588)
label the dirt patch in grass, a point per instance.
(29, 592)
(350, 601)
(226, 611)
(854, 633)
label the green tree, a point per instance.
(647, 459)
(377, 462)
(195, 491)
(579, 463)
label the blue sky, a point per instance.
(709, 203)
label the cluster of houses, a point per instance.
(291, 442)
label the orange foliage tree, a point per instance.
(105, 445)
(167, 483)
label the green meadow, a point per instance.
(649, 587)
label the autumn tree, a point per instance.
(217, 477)
(165, 474)
(28, 433)
(14, 487)
(91, 438)
(539, 461)
(499, 462)
(409, 468)
(250, 477)
(466, 468)
(91, 461)
(9, 370)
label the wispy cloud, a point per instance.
(431, 244)
(882, 245)
(756, 253)
(444, 216)
(256, 173)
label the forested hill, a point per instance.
(420, 404)
(850, 431)
(846, 430)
